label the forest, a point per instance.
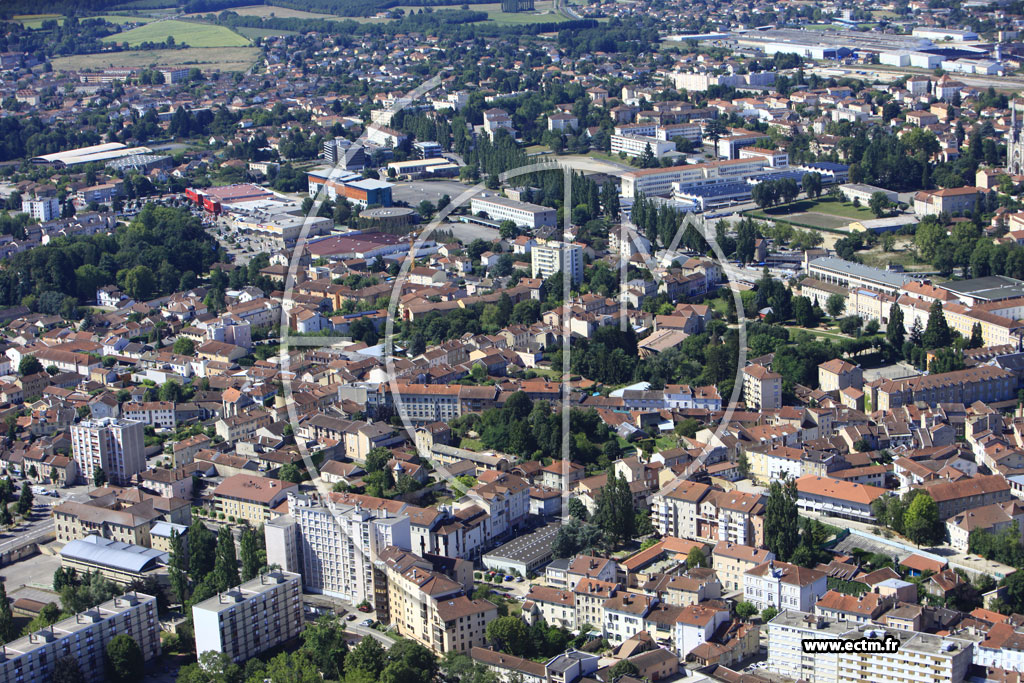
(151, 256)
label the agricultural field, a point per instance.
(266, 11)
(36, 20)
(193, 34)
(206, 58)
(125, 18)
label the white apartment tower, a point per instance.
(552, 257)
(114, 444)
(335, 546)
(244, 621)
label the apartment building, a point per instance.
(556, 607)
(783, 586)
(731, 561)
(523, 214)
(106, 517)
(697, 624)
(152, 413)
(339, 543)
(506, 499)
(624, 615)
(837, 497)
(838, 374)
(591, 595)
(992, 518)
(917, 656)
(84, 637)
(956, 497)
(762, 388)
(41, 209)
(550, 257)
(431, 608)
(114, 445)
(251, 498)
(983, 383)
(696, 511)
(953, 201)
(247, 620)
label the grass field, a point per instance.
(193, 34)
(219, 58)
(36, 20)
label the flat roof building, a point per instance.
(522, 214)
(84, 637)
(525, 554)
(855, 275)
(247, 620)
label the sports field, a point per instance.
(191, 33)
(825, 212)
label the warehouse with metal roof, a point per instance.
(120, 562)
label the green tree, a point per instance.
(139, 283)
(409, 662)
(66, 670)
(226, 562)
(253, 553)
(745, 610)
(25, 500)
(615, 513)
(367, 657)
(696, 558)
(99, 477)
(879, 203)
(977, 338)
(510, 635)
(29, 365)
(577, 509)
(177, 568)
(936, 333)
(781, 519)
(895, 332)
(623, 667)
(768, 613)
(835, 305)
(125, 663)
(921, 523)
(6, 519)
(183, 346)
(743, 465)
(8, 630)
(202, 551)
(291, 473)
(377, 459)
(325, 645)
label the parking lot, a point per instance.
(432, 190)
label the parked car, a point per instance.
(351, 617)
(366, 622)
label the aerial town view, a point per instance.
(526, 341)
